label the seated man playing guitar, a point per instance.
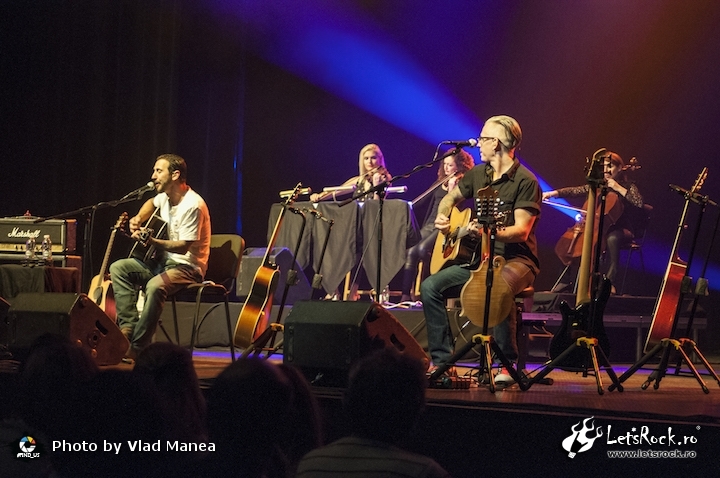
(165, 265)
(518, 190)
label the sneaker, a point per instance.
(127, 332)
(504, 377)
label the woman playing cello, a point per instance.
(621, 217)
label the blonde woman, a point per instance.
(372, 171)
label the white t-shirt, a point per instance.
(188, 221)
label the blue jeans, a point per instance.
(447, 284)
(129, 276)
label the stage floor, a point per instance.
(532, 426)
(679, 398)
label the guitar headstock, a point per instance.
(293, 195)
(122, 220)
(595, 167)
(487, 207)
(699, 181)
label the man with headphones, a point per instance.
(520, 198)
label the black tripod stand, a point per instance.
(667, 310)
(583, 325)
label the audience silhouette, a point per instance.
(255, 410)
(383, 402)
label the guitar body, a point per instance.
(576, 323)
(254, 316)
(101, 292)
(672, 291)
(474, 292)
(454, 247)
(666, 305)
(149, 254)
(255, 313)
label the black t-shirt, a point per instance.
(517, 188)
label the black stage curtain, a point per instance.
(93, 91)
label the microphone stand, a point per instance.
(317, 278)
(89, 213)
(380, 189)
(701, 286)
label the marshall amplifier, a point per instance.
(14, 232)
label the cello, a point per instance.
(569, 246)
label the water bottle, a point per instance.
(30, 250)
(47, 250)
(385, 295)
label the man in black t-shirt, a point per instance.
(520, 197)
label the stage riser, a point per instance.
(214, 330)
(623, 335)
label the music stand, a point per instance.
(381, 189)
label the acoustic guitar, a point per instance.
(586, 319)
(474, 293)
(255, 313)
(666, 307)
(100, 286)
(148, 253)
(455, 246)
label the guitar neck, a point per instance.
(273, 236)
(583, 289)
(106, 258)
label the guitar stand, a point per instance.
(270, 333)
(658, 374)
(588, 343)
(489, 345)
(668, 343)
(591, 345)
(258, 345)
(487, 341)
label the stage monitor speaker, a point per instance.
(253, 259)
(324, 338)
(72, 315)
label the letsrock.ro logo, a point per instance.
(581, 439)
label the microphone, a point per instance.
(472, 142)
(695, 197)
(140, 191)
(289, 192)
